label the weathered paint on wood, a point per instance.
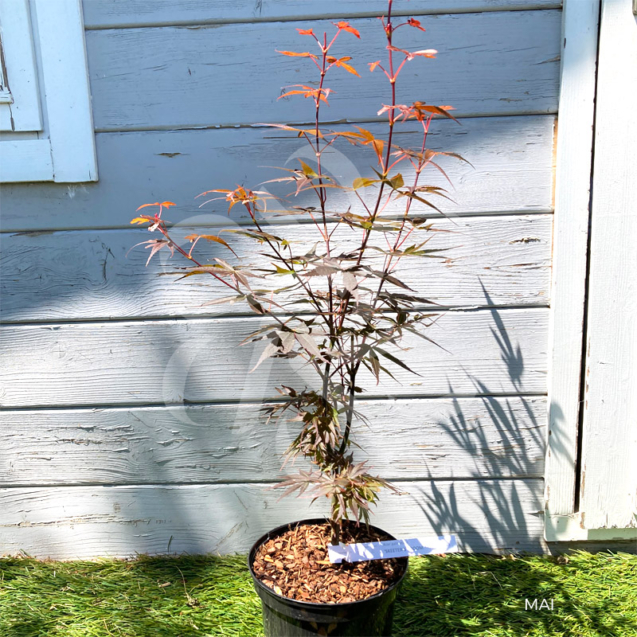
(169, 361)
(231, 74)
(144, 78)
(79, 522)
(511, 158)
(102, 14)
(88, 275)
(406, 439)
(609, 436)
(572, 196)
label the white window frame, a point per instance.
(21, 112)
(5, 91)
(51, 134)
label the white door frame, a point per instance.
(574, 153)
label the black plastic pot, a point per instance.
(285, 617)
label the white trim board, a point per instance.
(570, 240)
(570, 528)
(66, 89)
(608, 482)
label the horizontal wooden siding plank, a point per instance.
(101, 14)
(85, 522)
(156, 362)
(93, 274)
(406, 439)
(510, 156)
(227, 75)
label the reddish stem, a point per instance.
(179, 249)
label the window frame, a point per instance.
(60, 147)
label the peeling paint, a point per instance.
(526, 240)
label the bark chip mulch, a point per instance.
(296, 564)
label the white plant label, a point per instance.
(366, 551)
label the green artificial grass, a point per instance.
(187, 596)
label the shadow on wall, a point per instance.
(135, 447)
(506, 504)
(502, 513)
(179, 508)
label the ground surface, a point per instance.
(457, 595)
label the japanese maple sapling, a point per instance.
(359, 308)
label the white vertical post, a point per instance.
(570, 244)
(609, 436)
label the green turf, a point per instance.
(187, 596)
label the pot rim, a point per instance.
(315, 605)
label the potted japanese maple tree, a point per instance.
(355, 309)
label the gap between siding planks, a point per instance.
(104, 14)
(442, 438)
(499, 516)
(325, 123)
(511, 158)
(570, 239)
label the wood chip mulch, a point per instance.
(296, 565)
